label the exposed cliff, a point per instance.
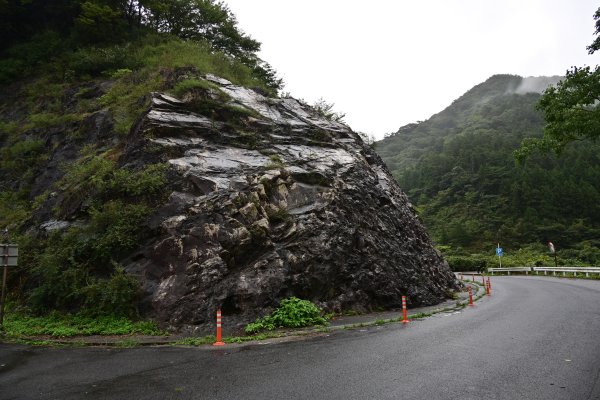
(263, 199)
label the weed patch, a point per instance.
(292, 313)
(65, 325)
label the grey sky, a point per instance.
(386, 63)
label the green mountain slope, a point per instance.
(458, 167)
(75, 77)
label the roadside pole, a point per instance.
(553, 253)
(9, 253)
(499, 253)
(4, 277)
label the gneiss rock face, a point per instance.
(269, 201)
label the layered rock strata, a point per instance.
(269, 200)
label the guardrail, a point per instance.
(527, 270)
(565, 270)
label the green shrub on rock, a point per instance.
(292, 313)
(466, 263)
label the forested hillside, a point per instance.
(459, 169)
(75, 76)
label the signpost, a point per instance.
(553, 253)
(499, 253)
(9, 254)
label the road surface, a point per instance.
(534, 338)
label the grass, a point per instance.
(177, 53)
(46, 120)
(64, 326)
(188, 85)
(57, 325)
(206, 340)
(127, 343)
(421, 315)
(128, 97)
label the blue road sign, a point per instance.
(498, 251)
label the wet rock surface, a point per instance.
(269, 200)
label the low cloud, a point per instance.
(535, 84)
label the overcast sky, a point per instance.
(386, 63)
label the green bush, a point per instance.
(75, 274)
(77, 270)
(10, 69)
(279, 215)
(14, 208)
(292, 313)
(97, 177)
(146, 182)
(94, 60)
(117, 295)
(114, 230)
(22, 155)
(46, 120)
(24, 56)
(466, 263)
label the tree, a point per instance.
(214, 22)
(201, 19)
(99, 24)
(80, 23)
(325, 110)
(571, 108)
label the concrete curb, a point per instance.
(338, 323)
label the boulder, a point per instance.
(271, 200)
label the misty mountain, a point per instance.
(404, 147)
(458, 168)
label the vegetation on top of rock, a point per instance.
(291, 313)
(92, 36)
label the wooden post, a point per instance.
(4, 277)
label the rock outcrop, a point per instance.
(269, 200)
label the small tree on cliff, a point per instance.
(571, 108)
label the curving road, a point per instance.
(534, 338)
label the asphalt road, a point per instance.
(535, 338)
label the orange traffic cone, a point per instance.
(219, 341)
(471, 296)
(404, 316)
